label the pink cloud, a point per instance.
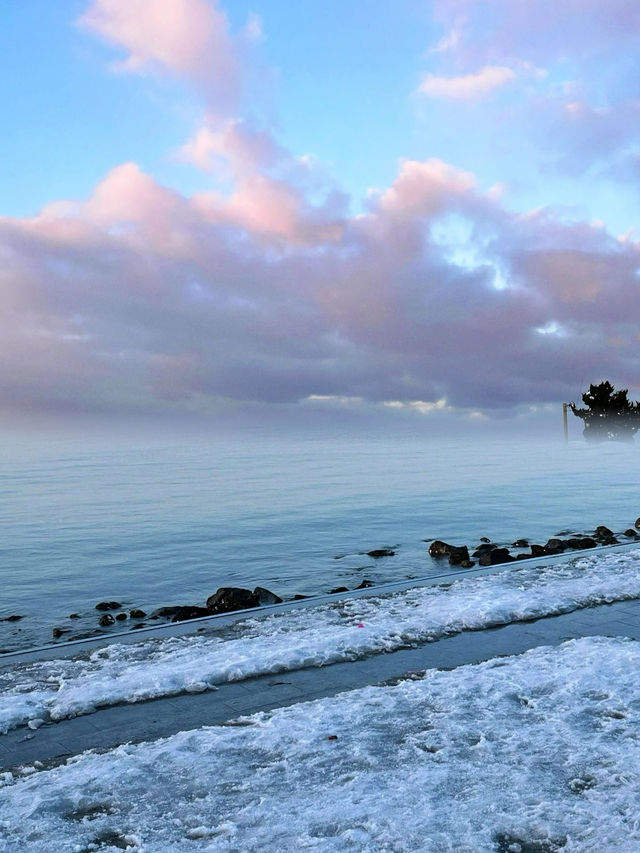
(139, 298)
(422, 187)
(189, 38)
(234, 145)
(467, 87)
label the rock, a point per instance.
(631, 532)
(381, 552)
(265, 596)
(136, 613)
(364, 584)
(106, 619)
(496, 557)
(58, 632)
(74, 616)
(167, 612)
(120, 617)
(108, 605)
(338, 589)
(483, 549)
(229, 598)
(520, 543)
(636, 523)
(15, 617)
(190, 611)
(580, 542)
(603, 534)
(138, 625)
(299, 597)
(537, 550)
(523, 556)
(555, 546)
(438, 548)
(467, 564)
(484, 539)
(458, 555)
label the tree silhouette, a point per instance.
(609, 415)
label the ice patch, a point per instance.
(538, 752)
(340, 631)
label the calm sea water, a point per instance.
(158, 524)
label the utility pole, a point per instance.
(565, 406)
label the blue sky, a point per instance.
(352, 193)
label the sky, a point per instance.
(292, 211)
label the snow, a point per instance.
(538, 752)
(340, 631)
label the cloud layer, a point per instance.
(263, 286)
(140, 296)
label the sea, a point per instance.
(153, 523)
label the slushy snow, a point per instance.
(340, 631)
(538, 752)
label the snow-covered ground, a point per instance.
(530, 754)
(342, 630)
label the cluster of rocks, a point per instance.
(488, 553)
(228, 599)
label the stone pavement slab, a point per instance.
(162, 717)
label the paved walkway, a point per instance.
(162, 717)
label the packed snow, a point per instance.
(538, 752)
(340, 631)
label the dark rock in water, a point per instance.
(108, 605)
(467, 564)
(74, 616)
(580, 542)
(636, 523)
(555, 546)
(265, 596)
(138, 625)
(483, 549)
(136, 613)
(537, 550)
(120, 617)
(167, 612)
(496, 557)
(299, 597)
(364, 584)
(523, 556)
(520, 543)
(438, 548)
(603, 532)
(15, 617)
(229, 598)
(484, 539)
(58, 632)
(106, 619)
(631, 532)
(190, 611)
(458, 555)
(339, 589)
(381, 552)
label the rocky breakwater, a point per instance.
(489, 553)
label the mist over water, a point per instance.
(150, 524)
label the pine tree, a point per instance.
(610, 415)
